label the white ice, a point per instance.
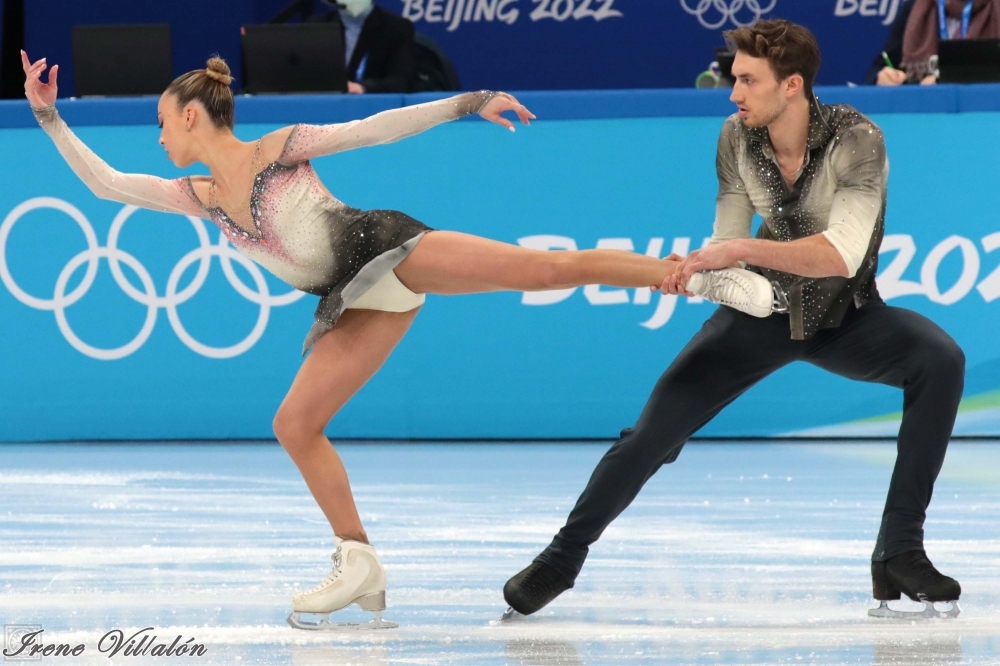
(750, 553)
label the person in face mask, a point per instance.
(378, 46)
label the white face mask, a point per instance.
(354, 7)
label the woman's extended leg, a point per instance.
(340, 364)
(447, 262)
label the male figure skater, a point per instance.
(817, 175)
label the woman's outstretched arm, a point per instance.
(169, 196)
(310, 141)
(172, 196)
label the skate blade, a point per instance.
(296, 621)
(511, 615)
(929, 612)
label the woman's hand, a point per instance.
(710, 258)
(504, 102)
(40, 95)
(671, 286)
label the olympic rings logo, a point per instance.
(706, 11)
(147, 296)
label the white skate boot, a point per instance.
(740, 289)
(357, 578)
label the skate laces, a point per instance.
(729, 287)
(334, 574)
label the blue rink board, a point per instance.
(547, 105)
(478, 366)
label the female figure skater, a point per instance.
(370, 268)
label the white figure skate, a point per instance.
(737, 288)
(357, 578)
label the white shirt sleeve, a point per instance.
(861, 168)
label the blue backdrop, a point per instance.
(161, 351)
(510, 44)
(631, 43)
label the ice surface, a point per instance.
(750, 553)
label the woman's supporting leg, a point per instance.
(447, 262)
(340, 364)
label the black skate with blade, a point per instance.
(532, 589)
(912, 574)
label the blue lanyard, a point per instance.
(943, 21)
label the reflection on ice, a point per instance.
(929, 651)
(339, 655)
(528, 652)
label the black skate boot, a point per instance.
(532, 589)
(912, 574)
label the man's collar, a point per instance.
(820, 130)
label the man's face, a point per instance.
(758, 95)
(354, 7)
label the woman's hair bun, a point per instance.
(218, 70)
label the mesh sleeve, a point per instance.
(169, 196)
(310, 141)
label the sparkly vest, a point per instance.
(805, 208)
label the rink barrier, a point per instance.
(547, 105)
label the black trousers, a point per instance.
(734, 351)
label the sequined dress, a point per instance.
(302, 234)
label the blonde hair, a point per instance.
(210, 86)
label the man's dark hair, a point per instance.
(789, 48)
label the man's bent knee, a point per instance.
(644, 450)
(947, 360)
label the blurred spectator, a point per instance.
(378, 46)
(889, 74)
(914, 36)
(433, 69)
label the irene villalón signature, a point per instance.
(24, 642)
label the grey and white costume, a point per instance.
(836, 323)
